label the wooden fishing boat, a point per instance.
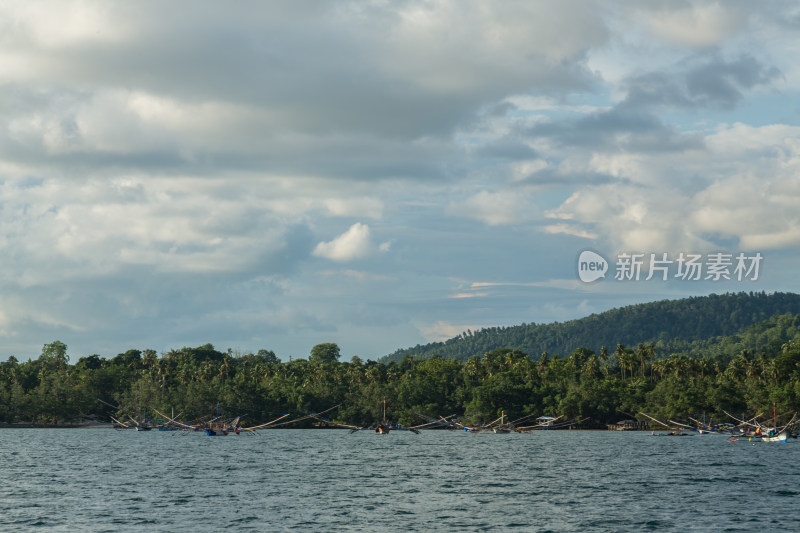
(470, 427)
(502, 427)
(118, 424)
(168, 422)
(441, 422)
(755, 430)
(216, 427)
(221, 428)
(551, 422)
(675, 430)
(545, 422)
(384, 427)
(783, 436)
(141, 425)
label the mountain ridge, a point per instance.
(671, 324)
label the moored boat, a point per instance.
(384, 426)
(783, 436)
(502, 427)
(759, 431)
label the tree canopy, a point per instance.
(673, 325)
(327, 352)
(747, 372)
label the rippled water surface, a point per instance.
(328, 480)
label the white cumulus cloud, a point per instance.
(355, 243)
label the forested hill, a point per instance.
(672, 324)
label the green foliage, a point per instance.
(672, 325)
(747, 372)
(54, 355)
(268, 356)
(327, 352)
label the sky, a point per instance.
(275, 175)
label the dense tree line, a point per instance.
(672, 324)
(746, 373)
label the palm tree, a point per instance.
(651, 356)
(591, 367)
(604, 355)
(641, 357)
(621, 353)
(544, 362)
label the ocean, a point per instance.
(103, 480)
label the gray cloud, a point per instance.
(325, 69)
(166, 171)
(509, 148)
(633, 125)
(550, 176)
(710, 83)
(620, 128)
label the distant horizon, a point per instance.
(346, 357)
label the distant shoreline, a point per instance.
(110, 426)
(55, 426)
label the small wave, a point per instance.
(785, 492)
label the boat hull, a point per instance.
(780, 437)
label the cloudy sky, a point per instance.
(381, 174)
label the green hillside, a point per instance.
(755, 369)
(681, 325)
(766, 338)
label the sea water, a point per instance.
(329, 480)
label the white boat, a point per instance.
(775, 433)
(545, 422)
(777, 437)
(763, 432)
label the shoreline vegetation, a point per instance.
(598, 388)
(24, 425)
